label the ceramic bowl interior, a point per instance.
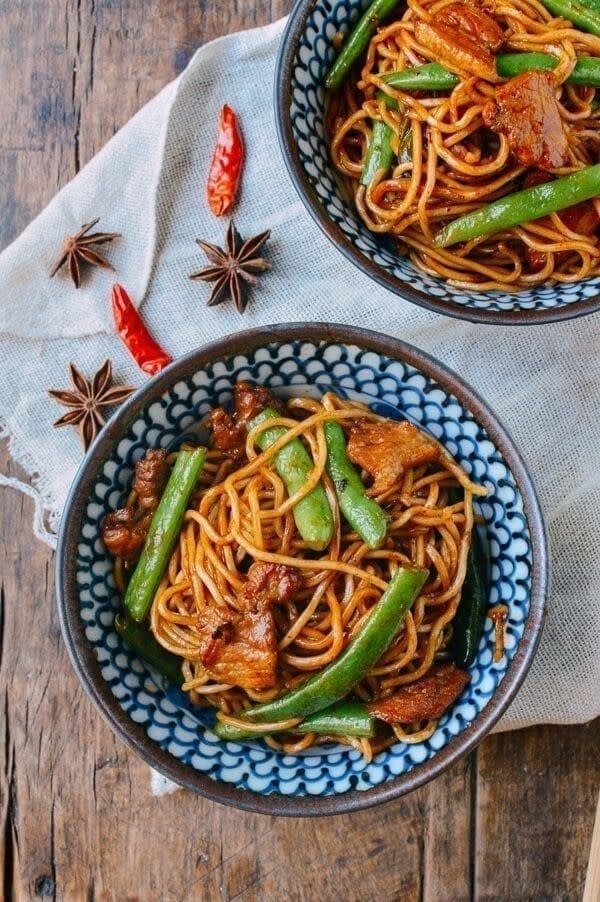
(305, 56)
(156, 719)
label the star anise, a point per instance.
(233, 267)
(86, 399)
(77, 249)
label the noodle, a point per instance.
(454, 164)
(243, 515)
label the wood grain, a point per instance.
(592, 878)
(77, 816)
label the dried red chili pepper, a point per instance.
(148, 355)
(226, 166)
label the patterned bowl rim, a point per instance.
(284, 66)
(81, 651)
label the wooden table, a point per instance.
(513, 822)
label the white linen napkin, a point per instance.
(148, 183)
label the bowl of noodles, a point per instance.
(451, 149)
(302, 570)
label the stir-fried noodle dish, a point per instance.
(469, 133)
(316, 574)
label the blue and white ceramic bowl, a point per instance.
(156, 720)
(305, 56)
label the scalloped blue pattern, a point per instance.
(392, 388)
(313, 59)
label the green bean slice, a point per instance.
(523, 206)
(163, 533)
(347, 718)
(363, 514)
(312, 514)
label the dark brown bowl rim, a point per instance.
(81, 652)
(292, 34)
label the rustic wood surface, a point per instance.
(514, 822)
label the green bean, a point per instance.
(163, 533)
(404, 140)
(435, 77)
(390, 102)
(510, 64)
(337, 680)
(379, 154)
(429, 77)
(523, 206)
(347, 718)
(312, 514)
(357, 40)
(363, 514)
(142, 642)
(581, 14)
(469, 620)
(585, 72)
(380, 151)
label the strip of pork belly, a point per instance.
(385, 449)
(240, 647)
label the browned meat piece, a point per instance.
(269, 584)
(427, 698)
(223, 632)
(250, 399)
(240, 648)
(473, 22)
(535, 259)
(582, 218)
(151, 473)
(229, 437)
(464, 38)
(123, 533)
(385, 450)
(229, 432)
(125, 530)
(526, 112)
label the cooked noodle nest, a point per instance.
(242, 514)
(452, 165)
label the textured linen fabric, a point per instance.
(148, 183)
